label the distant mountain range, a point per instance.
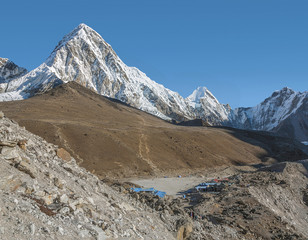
(284, 112)
(85, 57)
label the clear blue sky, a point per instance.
(240, 50)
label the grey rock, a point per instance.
(27, 168)
(32, 228)
(10, 153)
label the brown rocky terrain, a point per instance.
(44, 194)
(115, 140)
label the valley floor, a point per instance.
(266, 203)
(176, 185)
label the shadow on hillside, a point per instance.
(278, 148)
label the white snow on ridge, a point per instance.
(206, 106)
(197, 94)
(272, 111)
(9, 71)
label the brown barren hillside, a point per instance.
(116, 140)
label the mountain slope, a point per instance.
(284, 112)
(295, 125)
(113, 139)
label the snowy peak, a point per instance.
(285, 99)
(197, 94)
(206, 106)
(82, 31)
(85, 57)
(9, 70)
(284, 109)
(286, 92)
(202, 93)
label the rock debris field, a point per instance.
(45, 197)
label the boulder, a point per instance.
(185, 228)
(22, 144)
(64, 199)
(58, 183)
(9, 153)
(25, 167)
(63, 154)
(8, 143)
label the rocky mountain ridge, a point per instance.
(205, 106)
(284, 112)
(9, 71)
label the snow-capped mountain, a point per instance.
(85, 57)
(9, 71)
(284, 112)
(205, 106)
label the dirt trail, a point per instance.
(144, 150)
(66, 144)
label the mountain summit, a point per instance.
(85, 57)
(200, 92)
(206, 106)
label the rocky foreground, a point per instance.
(44, 194)
(270, 203)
